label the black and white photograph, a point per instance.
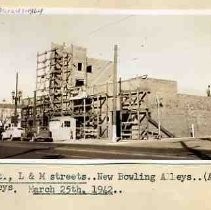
(105, 86)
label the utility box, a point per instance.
(63, 128)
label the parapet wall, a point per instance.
(155, 86)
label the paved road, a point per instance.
(167, 150)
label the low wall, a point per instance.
(180, 112)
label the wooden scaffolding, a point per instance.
(134, 114)
(53, 83)
(91, 114)
(57, 95)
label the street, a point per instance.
(178, 149)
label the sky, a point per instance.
(172, 47)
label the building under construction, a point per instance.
(68, 83)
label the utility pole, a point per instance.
(35, 111)
(16, 97)
(84, 104)
(16, 102)
(114, 127)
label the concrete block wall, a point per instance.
(179, 112)
(197, 111)
(101, 71)
(79, 56)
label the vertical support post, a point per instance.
(98, 116)
(147, 115)
(43, 109)
(138, 113)
(93, 114)
(158, 115)
(120, 105)
(36, 85)
(62, 80)
(16, 102)
(130, 114)
(114, 127)
(193, 130)
(107, 110)
(36, 81)
(84, 103)
(120, 86)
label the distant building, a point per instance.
(7, 114)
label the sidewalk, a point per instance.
(165, 144)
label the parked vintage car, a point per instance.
(1, 131)
(44, 135)
(13, 133)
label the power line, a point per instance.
(109, 24)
